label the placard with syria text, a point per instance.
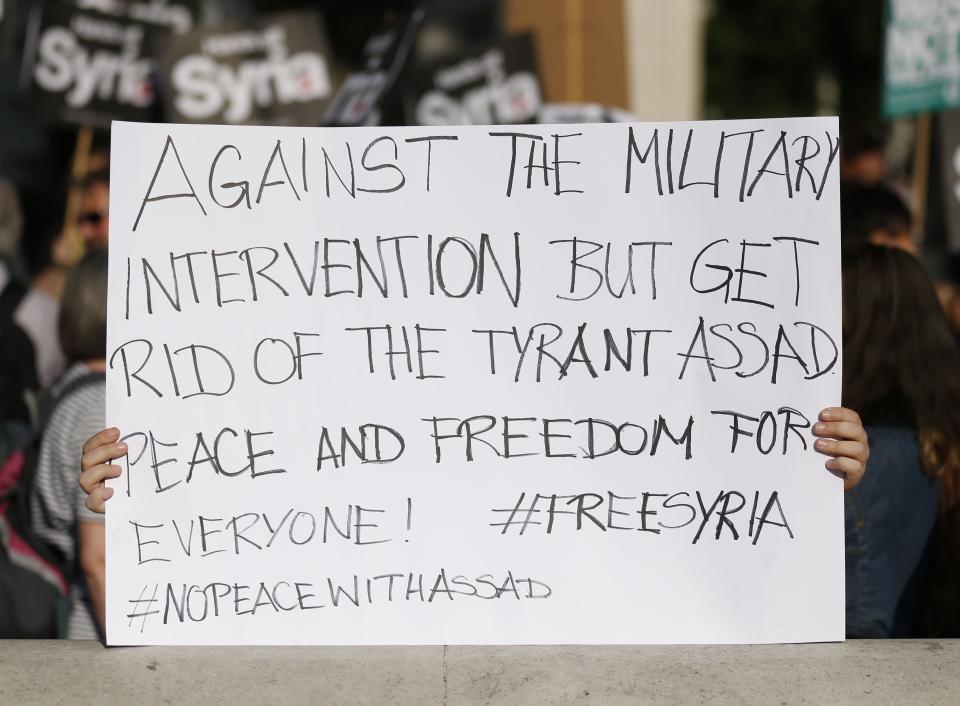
(478, 385)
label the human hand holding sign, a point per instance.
(840, 433)
(98, 451)
(843, 438)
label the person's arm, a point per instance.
(92, 540)
(843, 438)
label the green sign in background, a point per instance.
(922, 56)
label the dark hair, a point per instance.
(42, 232)
(867, 209)
(901, 363)
(857, 138)
(83, 309)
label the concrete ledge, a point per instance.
(883, 671)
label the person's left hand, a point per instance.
(843, 438)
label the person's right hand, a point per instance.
(100, 449)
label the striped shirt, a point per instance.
(58, 500)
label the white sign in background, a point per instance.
(475, 389)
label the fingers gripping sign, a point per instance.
(841, 436)
(99, 450)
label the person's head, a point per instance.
(876, 215)
(901, 362)
(861, 154)
(83, 309)
(93, 220)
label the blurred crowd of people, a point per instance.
(53, 317)
(901, 373)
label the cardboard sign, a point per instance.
(494, 84)
(531, 384)
(922, 57)
(83, 67)
(364, 96)
(276, 71)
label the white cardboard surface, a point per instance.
(516, 535)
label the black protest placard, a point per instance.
(366, 95)
(84, 67)
(493, 84)
(173, 15)
(276, 71)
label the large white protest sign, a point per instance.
(530, 384)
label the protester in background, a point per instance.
(862, 160)
(878, 215)
(902, 372)
(18, 373)
(48, 256)
(874, 214)
(33, 302)
(93, 220)
(60, 517)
